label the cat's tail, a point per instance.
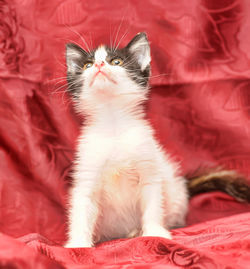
(222, 180)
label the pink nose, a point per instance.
(99, 65)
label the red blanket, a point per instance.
(199, 107)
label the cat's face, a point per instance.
(107, 73)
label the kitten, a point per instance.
(124, 183)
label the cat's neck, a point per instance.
(115, 114)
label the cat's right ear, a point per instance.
(74, 58)
(139, 47)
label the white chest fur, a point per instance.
(124, 183)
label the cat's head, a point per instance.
(106, 73)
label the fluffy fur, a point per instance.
(124, 183)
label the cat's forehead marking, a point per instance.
(100, 54)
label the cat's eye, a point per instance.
(87, 65)
(116, 61)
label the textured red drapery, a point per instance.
(199, 106)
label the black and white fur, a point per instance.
(124, 183)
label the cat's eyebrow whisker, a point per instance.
(111, 37)
(123, 36)
(118, 31)
(72, 41)
(81, 37)
(91, 41)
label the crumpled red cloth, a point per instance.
(199, 107)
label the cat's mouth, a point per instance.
(101, 73)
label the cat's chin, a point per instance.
(102, 85)
(102, 92)
(102, 80)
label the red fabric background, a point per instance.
(199, 106)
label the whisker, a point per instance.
(60, 81)
(91, 41)
(81, 37)
(160, 75)
(70, 40)
(110, 38)
(119, 28)
(132, 60)
(55, 79)
(75, 82)
(62, 97)
(67, 86)
(57, 90)
(123, 36)
(78, 67)
(124, 60)
(131, 70)
(62, 64)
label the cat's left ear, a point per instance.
(74, 58)
(139, 47)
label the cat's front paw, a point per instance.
(156, 230)
(78, 244)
